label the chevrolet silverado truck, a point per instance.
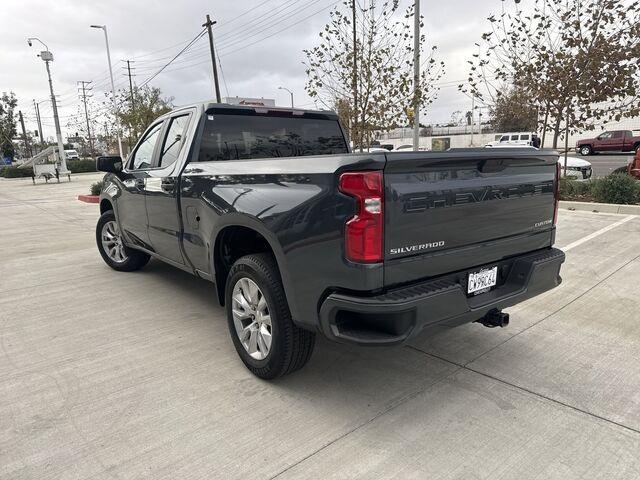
(302, 237)
(611, 141)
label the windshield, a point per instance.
(238, 137)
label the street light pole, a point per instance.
(113, 87)
(47, 56)
(290, 93)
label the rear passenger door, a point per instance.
(617, 140)
(163, 186)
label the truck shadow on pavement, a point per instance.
(335, 366)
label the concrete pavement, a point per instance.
(126, 376)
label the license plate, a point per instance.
(483, 280)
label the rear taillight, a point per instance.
(364, 231)
(556, 193)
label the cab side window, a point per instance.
(143, 156)
(174, 140)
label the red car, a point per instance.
(611, 141)
(634, 166)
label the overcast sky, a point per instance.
(257, 54)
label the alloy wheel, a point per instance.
(251, 318)
(112, 242)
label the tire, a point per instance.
(586, 150)
(289, 347)
(127, 259)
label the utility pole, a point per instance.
(47, 56)
(86, 113)
(27, 148)
(355, 76)
(416, 75)
(208, 24)
(40, 134)
(132, 130)
(133, 105)
(473, 106)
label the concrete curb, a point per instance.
(601, 207)
(89, 198)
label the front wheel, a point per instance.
(112, 248)
(264, 335)
(585, 150)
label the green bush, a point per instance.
(81, 166)
(15, 172)
(617, 188)
(96, 188)
(573, 190)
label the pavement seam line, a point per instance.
(597, 233)
(531, 392)
(400, 402)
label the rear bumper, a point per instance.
(401, 313)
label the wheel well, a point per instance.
(636, 146)
(105, 206)
(232, 243)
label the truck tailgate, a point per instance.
(454, 210)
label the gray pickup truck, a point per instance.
(302, 237)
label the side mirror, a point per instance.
(109, 164)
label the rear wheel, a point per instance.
(112, 248)
(263, 333)
(586, 150)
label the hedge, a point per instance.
(15, 172)
(81, 166)
(619, 188)
(74, 166)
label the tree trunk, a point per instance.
(544, 126)
(556, 129)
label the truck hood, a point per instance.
(574, 162)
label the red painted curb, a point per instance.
(89, 198)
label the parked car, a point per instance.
(610, 141)
(515, 138)
(302, 237)
(71, 155)
(577, 168)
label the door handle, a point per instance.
(168, 184)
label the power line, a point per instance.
(195, 39)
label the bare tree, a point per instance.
(576, 59)
(378, 94)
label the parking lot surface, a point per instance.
(133, 375)
(605, 163)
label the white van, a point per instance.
(513, 138)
